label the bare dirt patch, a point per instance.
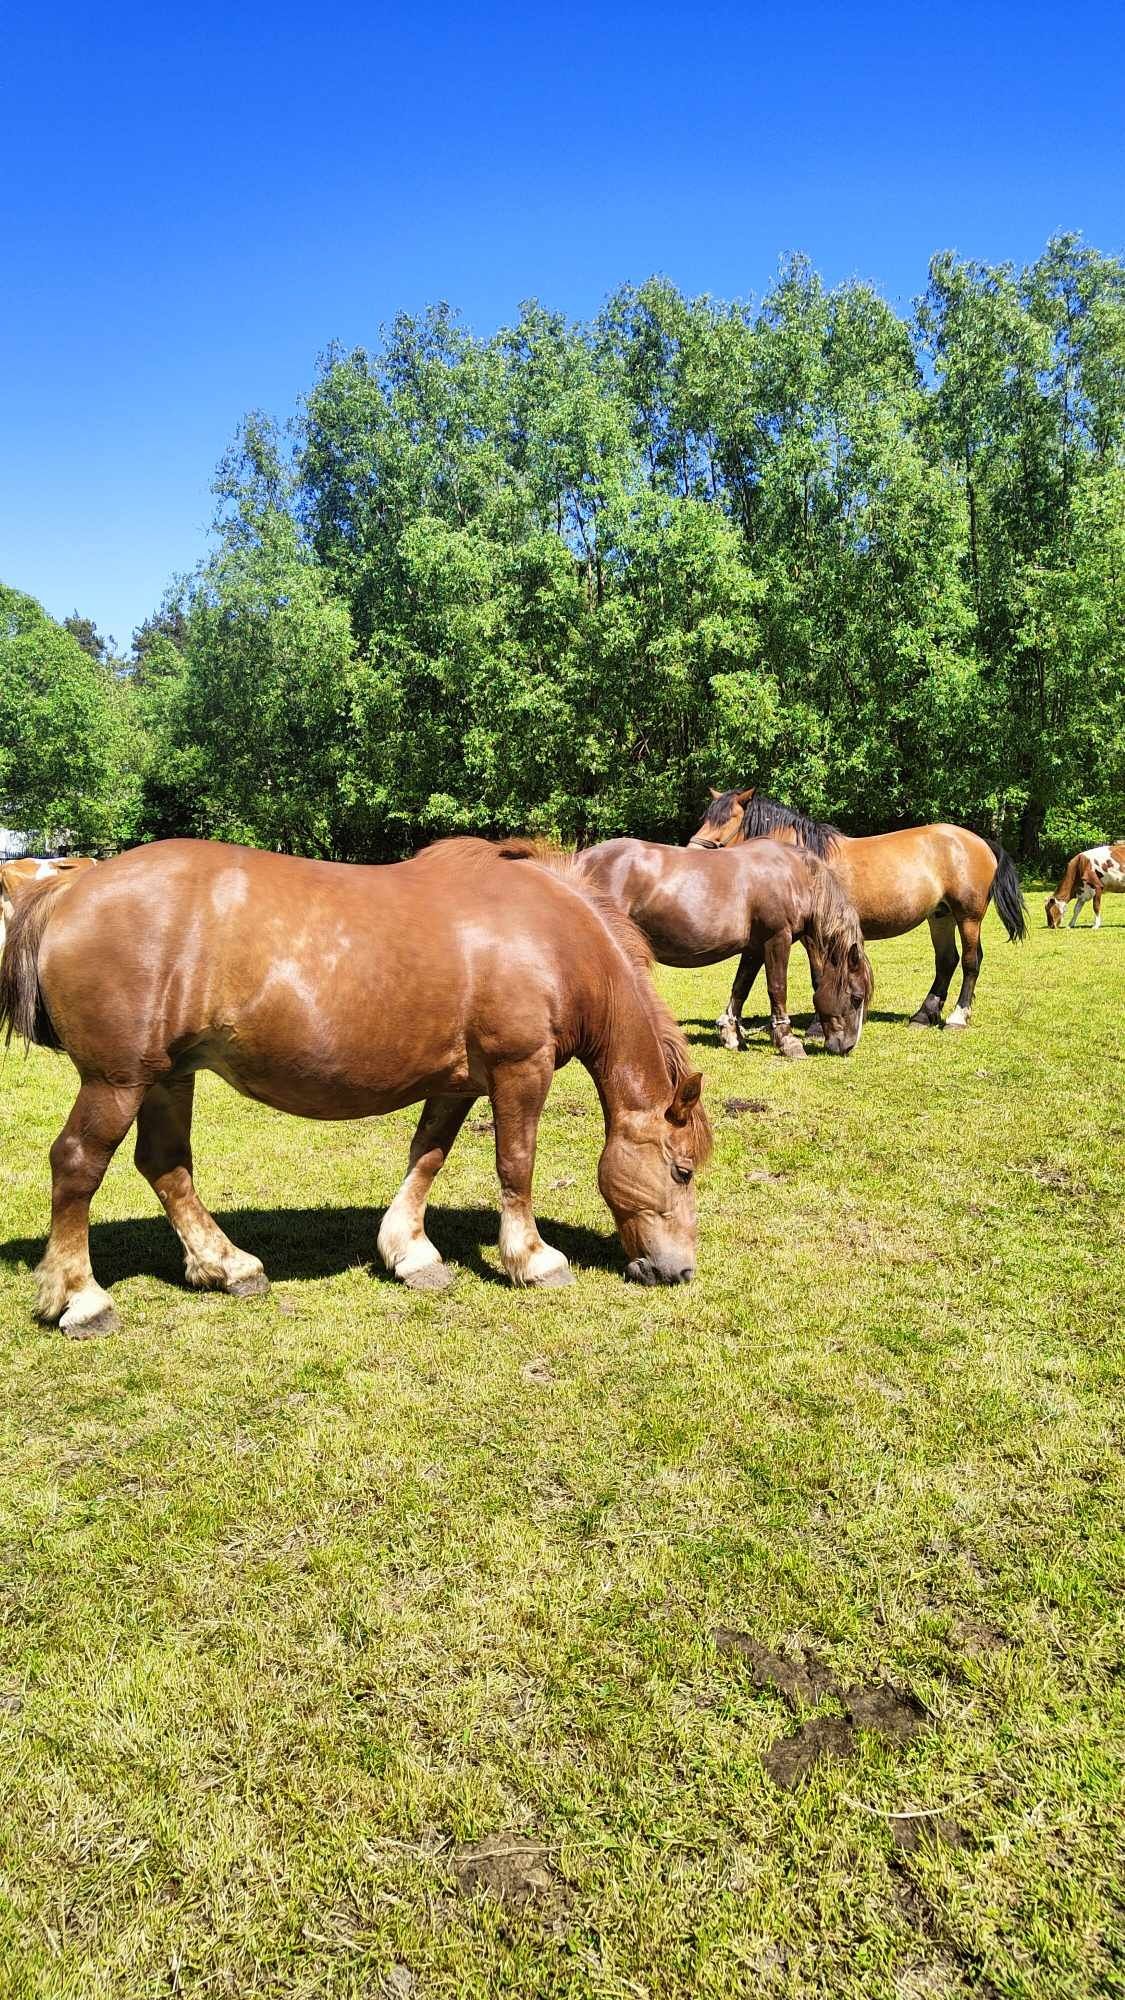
(827, 1739)
(514, 1869)
(801, 1682)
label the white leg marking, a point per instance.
(524, 1255)
(87, 1306)
(730, 1033)
(959, 1018)
(402, 1242)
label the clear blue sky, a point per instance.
(194, 202)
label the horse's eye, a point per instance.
(681, 1173)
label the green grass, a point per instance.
(300, 1595)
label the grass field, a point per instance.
(305, 1598)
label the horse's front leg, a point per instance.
(517, 1092)
(732, 1034)
(785, 1041)
(403, 1244)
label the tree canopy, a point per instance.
(562, 577)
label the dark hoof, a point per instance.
(435, 1278)
(92, 1329)
(923, 1021)
(250, 1288)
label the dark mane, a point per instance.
(762, 817)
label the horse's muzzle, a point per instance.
(711, 845)
(644, 1271)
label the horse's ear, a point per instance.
(685, 1096)
(745, 797)
(714, 793)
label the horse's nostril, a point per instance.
(687, 1274)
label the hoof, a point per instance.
(954, 1027)
(791, 1050)
(552, 1280)
(105, 1321)
(431, 1278)
(923, 1021)
(250, 1287)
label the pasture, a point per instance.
(308, 1599)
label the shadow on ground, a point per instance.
(700, 1029)
(314, 1243)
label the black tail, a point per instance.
(23, 1010)
(1007, 894)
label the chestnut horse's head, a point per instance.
(843, 977)
(722, 822)
(647, 1176)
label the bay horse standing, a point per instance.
(1084, 878)
(338, 992)
(942, 875)
(757, 901)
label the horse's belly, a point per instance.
(348, 1082)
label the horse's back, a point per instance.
(322, 987)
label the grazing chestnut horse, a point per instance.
(1084, 878)
(18, 877)
(339, 992)
(943, 875)
(756, 900)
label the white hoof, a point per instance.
(544, 1267)
(405, 1255)
(90, 1312)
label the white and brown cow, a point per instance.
(1084, 878)
(18, 877)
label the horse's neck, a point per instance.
(625, 1055)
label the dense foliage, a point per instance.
(562, 578)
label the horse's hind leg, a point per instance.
(943, 931)
(972, 957)
(68, 1290)
(518, 1092)
(403, 1244)
(163, 1156)
(785, 1041)
(732, 1035)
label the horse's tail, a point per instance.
(834, 928)
(23, 1010)
(1007, 894)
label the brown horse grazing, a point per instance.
(696, 909)
(339, 992)
(944, 875)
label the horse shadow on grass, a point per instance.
(315, 1243)
(700, 1029)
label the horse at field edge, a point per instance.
(943, 875)
(1085, 877)
(755, 900)
(339, 991)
